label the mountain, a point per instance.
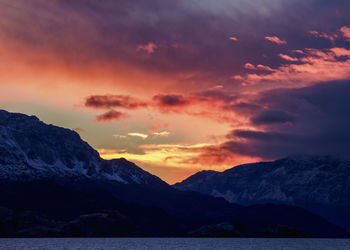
(320, 184)
(32, 150)
(54, 184)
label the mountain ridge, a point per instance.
(318, 183)
(60, 154)
(52, 183)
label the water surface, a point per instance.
(172, 243)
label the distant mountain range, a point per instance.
(319, 184)
(52, 183)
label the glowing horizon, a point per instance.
(261, 81)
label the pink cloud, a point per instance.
(264, 67)
(330, 37)
(275, 39)
(114, 101)
(288, 58)
(342, 34)
(314, 67)
(216, 87)
(233, 38)
(258, 67)
(158, 127)
(298, 51)
(149, 47)
(346, 32)
(249, 66)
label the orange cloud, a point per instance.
(258, 67)
(275, 39)
(346, 32)
(288, 58)
(314, 67)
(157, 127)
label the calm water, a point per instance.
(173, 243)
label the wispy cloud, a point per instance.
(275, 39)
(148, 48)
(137, 134)
(114, 101)
(112, 115)
(312, 67)
(288, 58)
(162, 133)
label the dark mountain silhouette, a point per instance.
(52, 183)
(320, 184)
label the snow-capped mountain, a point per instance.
(320, 184)
(52, 183)
(32, 150)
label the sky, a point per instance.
(183, 86)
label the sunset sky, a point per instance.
(181, 86)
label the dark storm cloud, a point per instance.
(272, 116)
(114, 31)
(114, 101)
(168, 101)
(171, 100)
(321, 127)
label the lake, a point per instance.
(172, 243)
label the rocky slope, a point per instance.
(32, 150)
(54, 184)
(320, 184)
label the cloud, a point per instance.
(171, 100)
(149, 47)
(214, 157)
(140, 135)
(111, 115)
(114, 101)
(193, 104)
(288, 58)
(330, 37)
(249, 66)
(271, 117)
(159, 126)
(312, 67)
(117, 34)
(161, 133)
(109, 46)
(216, 87)
(310, 120)
(275, 39)
(244, 108)
(342, 34)
(258, 67)
(119, 136)
(346, 32)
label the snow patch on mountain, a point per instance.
(293, 180)
(32, 150)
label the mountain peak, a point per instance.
(33, 150)
(8, 118)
